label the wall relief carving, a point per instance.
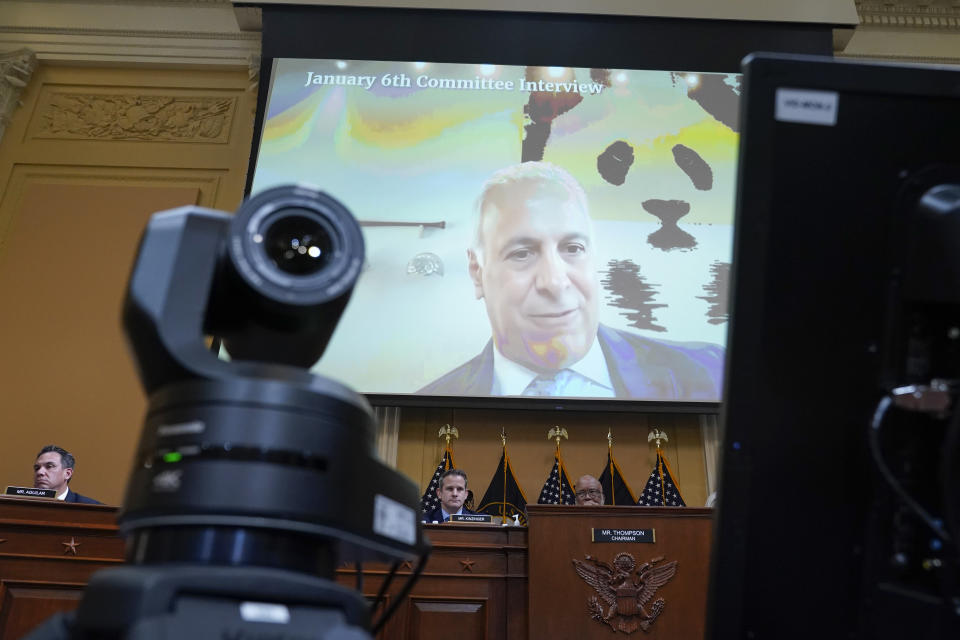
(137, 117)
(625, 591)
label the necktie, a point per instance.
(549, 384)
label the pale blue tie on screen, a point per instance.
(550, 385)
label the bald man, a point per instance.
(588, 491)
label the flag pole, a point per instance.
(613, 468)
(446, 431)
(503, 502)
(556, 433)
(658, 435)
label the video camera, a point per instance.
(253, 478)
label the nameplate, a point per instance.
(471, 517)
(30, 492)
(623, 535)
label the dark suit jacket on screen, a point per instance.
(639, 367)
(76, 497)
(437, 514)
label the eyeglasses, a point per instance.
(589, 492)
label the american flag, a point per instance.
(661, 489)
(557, 489)
(430, 501)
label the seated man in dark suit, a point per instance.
(589, 492)
(452, 493)
(53, 469)
(533, 262)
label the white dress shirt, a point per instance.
(593, 379)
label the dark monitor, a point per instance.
(838, 494)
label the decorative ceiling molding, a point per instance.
(158, 32)
(919, 14)
(832, 12)
(134, 33)
(249, 18)
(900, 58)
(217, 33)
(139, 3)
(916, 31)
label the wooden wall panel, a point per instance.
(25, 604)
(68, 376)
(85, 161)
(467, 619)
(560, 599)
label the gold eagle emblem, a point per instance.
(626, 590)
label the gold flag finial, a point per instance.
(609, 438)
(658, 435)
(447, 430)
(556, 433)
(503, 436)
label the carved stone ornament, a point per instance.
(15, 71)
(137, 117)
(625, 590)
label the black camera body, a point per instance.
(253, 478)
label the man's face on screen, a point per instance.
(537, 276)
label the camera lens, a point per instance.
(295, 246)
(298, 242)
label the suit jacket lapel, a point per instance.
(479, 380)
(631, 375)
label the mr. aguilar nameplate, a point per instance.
(471, 517)
(623, 535)
(30, 492)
